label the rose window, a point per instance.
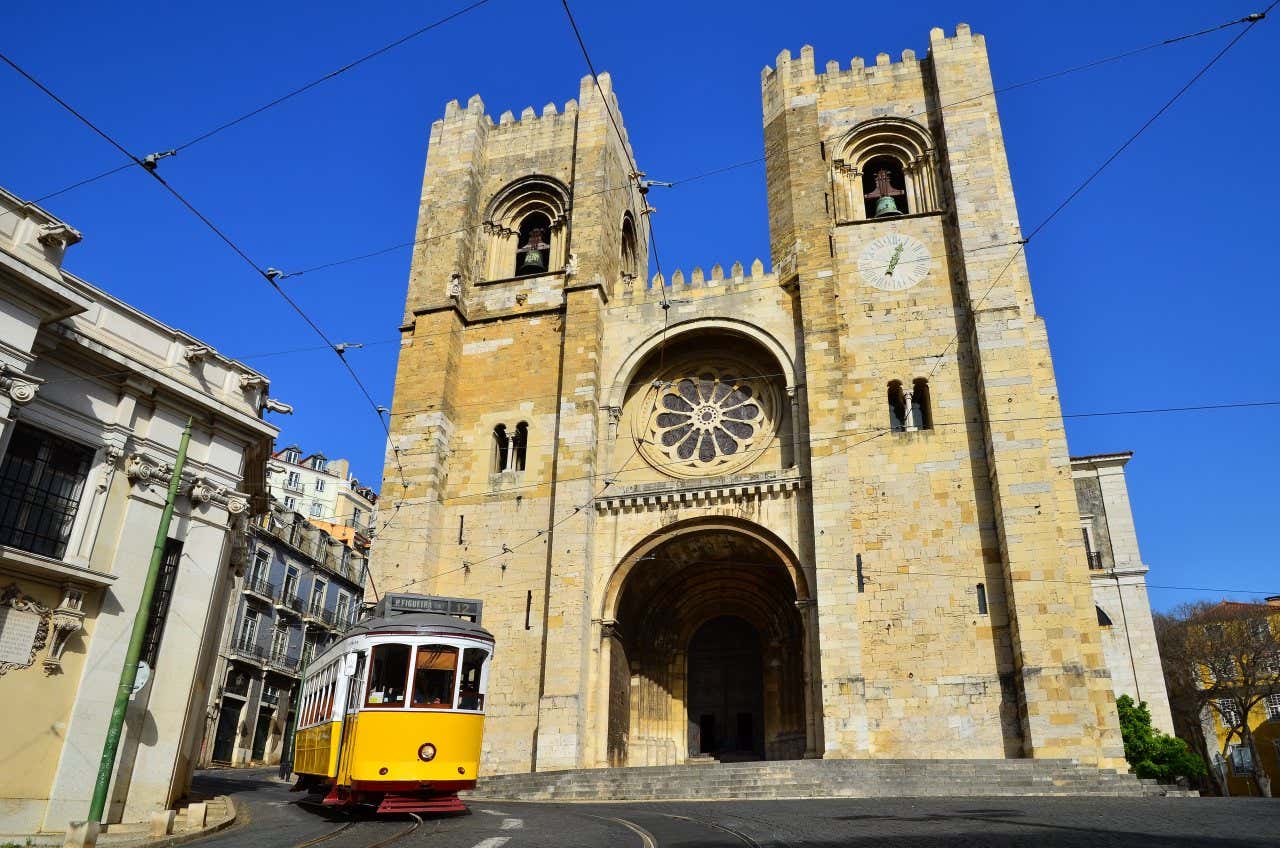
(713, 422)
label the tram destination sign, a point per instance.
(466, 609)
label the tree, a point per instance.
(1153, 754)
(1223, 659)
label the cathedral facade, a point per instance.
(824, 510)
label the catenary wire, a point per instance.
(210, 133)
(246, 258)
(270, 280)
(1250, 22)
(761, 159)
(874, 432)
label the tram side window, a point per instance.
(470, 693)
(388, 676)
(433, 677)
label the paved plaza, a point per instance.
(273, 819)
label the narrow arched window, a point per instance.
(534, 246)
(982, 599)
(519, 444)
(884, 187)
(501, 448)
(1104, 620)
(630, 259)
(897, 407)
(921, 414)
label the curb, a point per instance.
(189, 836)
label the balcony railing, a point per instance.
(249, 650)
(318, 613)
(1095, 560)
(260, 586)
(289, 603)
(284, 662)
(293, 486)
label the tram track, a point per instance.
(649, 839)
(345, 826)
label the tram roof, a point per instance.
(422, 622)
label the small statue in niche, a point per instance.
(455, 285)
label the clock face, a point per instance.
(894, 262)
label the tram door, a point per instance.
(353, 668)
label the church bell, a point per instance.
(533, 261)
(886, 206)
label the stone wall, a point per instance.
(902, 659)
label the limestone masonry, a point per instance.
(825, 510)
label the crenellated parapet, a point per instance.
(550, 117)
(792, 76)
(697, 283)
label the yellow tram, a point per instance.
(392, 714)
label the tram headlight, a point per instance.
(426, 752)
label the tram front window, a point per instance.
(388, 675)
(433, 677)
(470, 694)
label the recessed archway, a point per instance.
(706, 648)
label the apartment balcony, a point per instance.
(260, 587)
(290, 604)
(249, 651)
(285, 663)
(1095, 560)
(317, 614)
(290, 486)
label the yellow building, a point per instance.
(1233, 758)
(825, 510)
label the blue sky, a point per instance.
(1158, 284)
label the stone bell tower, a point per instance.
(891, 210)
(526, 228)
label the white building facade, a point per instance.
(1119, 580)
(94, 396)
(320, 488)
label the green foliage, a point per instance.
(1153, 754)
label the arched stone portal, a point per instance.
(704, 637)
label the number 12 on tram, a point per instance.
(392, 714)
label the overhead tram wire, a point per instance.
(466, 566)
(271, 104)
(760, 159)
(1247, 19)
(1250, 22)
(148, 166)
(294, 305)
(693, 178)
(878, 432)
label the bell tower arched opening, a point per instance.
(706, 648)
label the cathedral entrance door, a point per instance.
(706, 647)
(725, 698)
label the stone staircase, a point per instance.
(821, 779)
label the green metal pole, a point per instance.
(286, 760)
(130, 671)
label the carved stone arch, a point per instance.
(717, 400)
(663, 591)
(905, 141)
(777, 547)
(640, 353)
(536, 194)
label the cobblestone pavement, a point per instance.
(271, 819)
